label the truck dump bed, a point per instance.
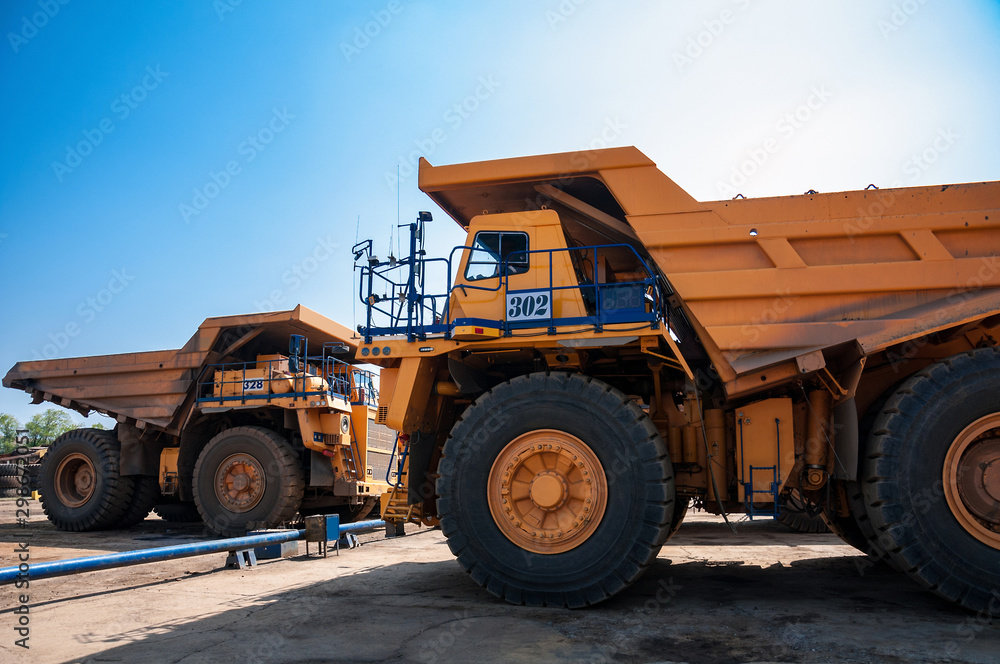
(766, 280)
(156, 389)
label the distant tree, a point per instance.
(98, 425)
(45, 427)
(8, 432)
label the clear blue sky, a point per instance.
(117, 115)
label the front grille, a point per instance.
(383, 414)
(378, 464)
(380, 437)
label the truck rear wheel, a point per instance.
(555, 490)
(681, 505)
(802, 522)
(247, 474)
(847, 527)
(80, 482)
(178, 512)
(145, 493)
(933, 478)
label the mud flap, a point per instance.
(419, 487)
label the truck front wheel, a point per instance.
(555, 490)
(244, 475)
(932, 476)
(81, 486)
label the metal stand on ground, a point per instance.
(241, 558)
(319, 530)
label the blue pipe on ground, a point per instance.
(358, 526)
(125, 558)
(142, 556)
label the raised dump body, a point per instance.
(766, 280)
(227, 424)
(605, 350)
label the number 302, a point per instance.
(529, 306)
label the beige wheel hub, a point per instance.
(972, 479)
(240, 483)
(547, 491)
(75, 480)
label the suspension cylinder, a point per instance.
(715, 429)
(817, 439)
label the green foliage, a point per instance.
(45, 427)
(8, 432)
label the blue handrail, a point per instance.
(605, 299)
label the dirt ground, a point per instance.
(766, 594)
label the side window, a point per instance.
(490, 248)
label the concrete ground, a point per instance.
(766, 594)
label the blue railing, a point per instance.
(405, 308)
(260, 383)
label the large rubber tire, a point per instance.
(32, 472)
(855, 528)
(80, 483)
(904, 469)
(680, 511)
(10, 482)
(846, 527)
(800, 519)
(352, 513)
(639, 480)
(274, 495)
(11, 470)
(178, 512)
(145, 493)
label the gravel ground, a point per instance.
(766, 594)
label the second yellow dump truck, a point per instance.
(605, 350)
(230, 429)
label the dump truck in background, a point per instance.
(605, 350)
(228, 428)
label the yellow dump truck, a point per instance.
(605, 350)
(227, 428)
(602, 352)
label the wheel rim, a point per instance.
(547, 491)
(76, 480)
(972, 479)
(240, 483)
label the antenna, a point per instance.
(354, 300)
(398, 250)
